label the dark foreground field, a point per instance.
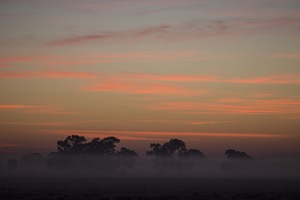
(139, 188)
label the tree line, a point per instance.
(75, 152)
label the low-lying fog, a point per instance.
(150, 167)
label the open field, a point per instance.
(147, 188)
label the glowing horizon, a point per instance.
(211, 73)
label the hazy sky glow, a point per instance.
(216, 74)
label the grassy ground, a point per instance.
(139, 188)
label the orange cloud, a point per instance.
(175, 77)
(146, 84)
(15, 106)
(208, 122)
(139, 83)
(281, 106)
(98, 58)
(63, 123)
(153, 135)
(235, 100)
(275, 79)
(7, 145)
(141, 88)
(46, 74)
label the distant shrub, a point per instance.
(233, 154)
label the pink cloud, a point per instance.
(135, 83)
(159, 135)
(261, 107)
(232, 100)
(15, 106)
(141, 88)
(99, 58)
(60, 123)
(132, 80)
(208, 122)
(275, 79)
(7, 145)
(179, 78)
(45, 74)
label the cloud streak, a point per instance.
(141, 88)
(55, 123)
(168, 78)
(185, 31)
(100, 58)
(248, 107)
(275, 79)
(36, 109)
(15, 106)
(138, 83)
(159, 135)
(45, 74)
(7, 145)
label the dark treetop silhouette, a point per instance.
(237, 161)
(76, 152)
(174, 147)
(173, 154)
(233, 154)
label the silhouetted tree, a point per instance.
(76, 152)
(233, 154)
(127, 152)
(72, 144)
(106, 146)
(12, 164)
(166, 154)
(237, 161)
(171, 148)
(192, 153)
(127, 157)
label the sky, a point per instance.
(216, 74)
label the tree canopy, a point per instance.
(75, 144)
(75, 151)
(233, 154)
(175, 147)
